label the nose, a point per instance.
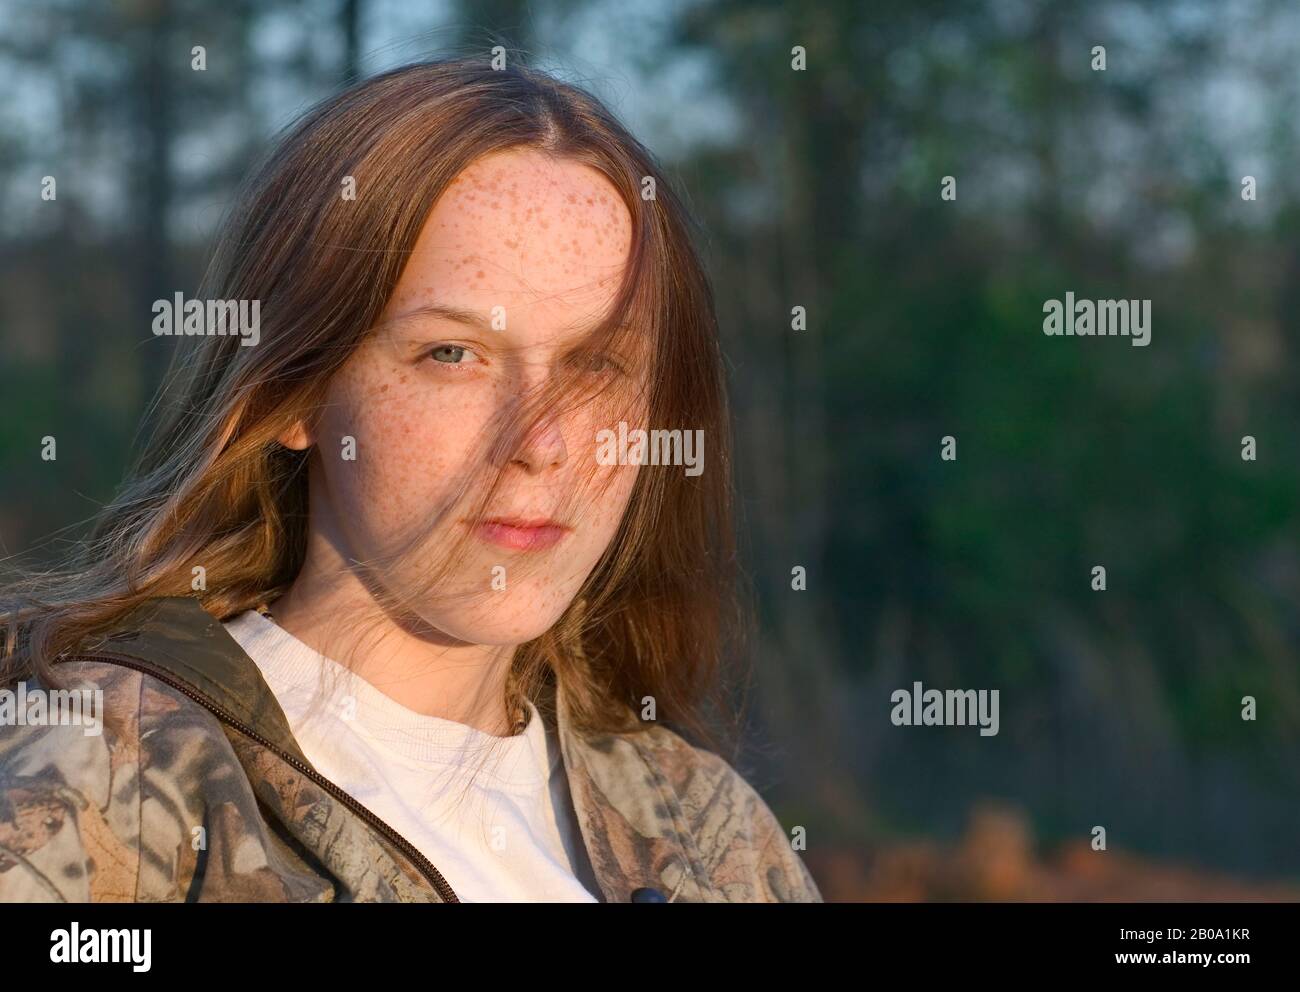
(542, 448)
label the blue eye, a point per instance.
(448, 354)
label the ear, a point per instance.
(299, 437)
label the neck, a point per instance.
(332, 610)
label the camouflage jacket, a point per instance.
(193, 738)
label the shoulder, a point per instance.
(98, 795)
(742, 844)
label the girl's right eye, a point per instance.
(449, 354)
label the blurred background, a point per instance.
(821, 188)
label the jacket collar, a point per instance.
(630, 817)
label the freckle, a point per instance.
(402, 380)
(385, 389)
(478, 274)
(494, 205)
(544, 225)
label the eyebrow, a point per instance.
(471, 318)
(476, 319)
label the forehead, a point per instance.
(545, 237)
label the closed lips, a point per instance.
(521, 534)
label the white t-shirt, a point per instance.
(512, 836)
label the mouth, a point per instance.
(519, 534)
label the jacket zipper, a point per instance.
(426, 867)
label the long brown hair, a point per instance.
(213, 486)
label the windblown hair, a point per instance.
(212, 486)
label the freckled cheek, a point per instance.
(411, 450)
(613, 488)
(603, 514)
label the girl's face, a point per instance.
(519, 257)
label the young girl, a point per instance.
(413, 574)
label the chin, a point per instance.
(501, 628)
